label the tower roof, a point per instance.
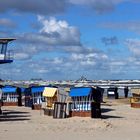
(6, 40)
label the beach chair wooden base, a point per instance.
(135, 105)
(80, 113)
(48, 112)
(10, 103)
(36, 107)
(135, 102)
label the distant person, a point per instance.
(19, 97)
(0, 100)
(101, 90)
(126, 91)
(116, 93)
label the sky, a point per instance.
(67, 39)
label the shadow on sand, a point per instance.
(12, 115)
(105, 116)
(104, 110)
(110, 116)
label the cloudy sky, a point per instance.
(65, 39)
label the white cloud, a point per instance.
(117, 63)
(134, 46)
(88, 62)
(59, 31)
(57, 60)
(53, 36)
(89, 59)
(52, 33)
(42, 71)
(72, 66)
(21, 56)
(52, 25)
(77, 56)
(90, 55)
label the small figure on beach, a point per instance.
(19, 97)
(116, 93)
(0, 100)
(126, 91)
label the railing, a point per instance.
(38, 100)
(81, 106)
(9, 55)
(9, 97)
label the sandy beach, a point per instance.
(119, 121)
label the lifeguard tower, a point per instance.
(6, 56)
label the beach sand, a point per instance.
(119, 121)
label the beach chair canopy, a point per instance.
(80, 91)
(9, 89)
(62, 95)
(49, 92)
(62, 91)
(22, 89)
(135, 91)
(37, 89)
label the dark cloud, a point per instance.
(99, 6)
(47, 39)
(48, 7)
(133, 46)
(7, 23)
(43, 7)
(133, 26)
(110, 40)
(4, 33)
